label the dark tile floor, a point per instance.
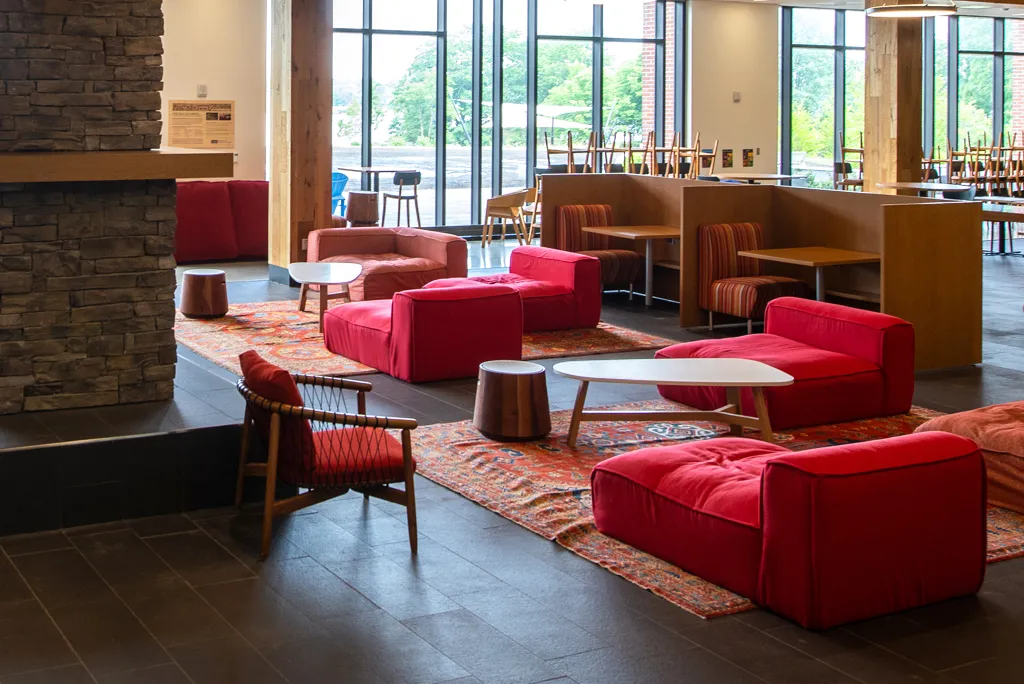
(185, 599)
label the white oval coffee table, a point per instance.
(323, 274)
(732, 374)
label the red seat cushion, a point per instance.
(206, 230)
(546, 305)
(829, 387)
(363, 330)
(353, 456)
(748, 297)
(250, 208)
(695, 505)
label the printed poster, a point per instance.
(748, 158)
(202, 124)
(726, 159)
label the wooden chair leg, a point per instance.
(303, 292)
(408, 213)
(268, 497)
(384, 213)
(750, 326)
(410, 490)
(243, 457)
(419, 222)
(711, 321)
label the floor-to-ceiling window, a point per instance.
(824, 86)
(441, 87)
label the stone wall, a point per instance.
(86, 294)
(80, 74)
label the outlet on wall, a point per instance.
(201, 91)
(305, 244)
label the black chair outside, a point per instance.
(403, 180)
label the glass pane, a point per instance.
(513, 108)
(405, 115)
(1013, 36)
(856, 31)
(487, 104)
(1013, 104)
(629, 18)
(976, 33)
(628, 91)
(854, 95)
(974, 108)
(564, 94)
(942, 141)
(459, 113)
(348, 13)
(407, 15)
(347, 113)
(813, 115)
(565, 17)
(814, 27)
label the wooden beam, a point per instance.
(300, 147)
(892, 107)
(166, 163)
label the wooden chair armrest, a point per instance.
(338, 383)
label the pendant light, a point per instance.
(896, 10)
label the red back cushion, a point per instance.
(205, 227)
(296, 450)
(250, 206)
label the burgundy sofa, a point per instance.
(824, 536)
(848, 364)
(222, 220)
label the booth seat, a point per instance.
(560, 290)
(222, 220)
(847, 363)
(619, 267)
(425, 335)
(824, 537)
(393, 259)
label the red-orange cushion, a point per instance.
(269, 381)
(353, 456)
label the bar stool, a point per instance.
(512, 401)
(405, 179)
(204, 293)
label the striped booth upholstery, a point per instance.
(619, 267)
(734, 285)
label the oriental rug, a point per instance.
(545, 487)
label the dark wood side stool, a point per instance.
(204, 293)
(362, 209)
(512, 401)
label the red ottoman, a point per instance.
(425, 335)
(824, 537)
(560, 290)
(848, 364)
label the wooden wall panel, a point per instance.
(933, 279)
(301, 143)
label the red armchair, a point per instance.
(848, 364)
(560, 290)
(393, 259)
(425, 335)
(824, 537)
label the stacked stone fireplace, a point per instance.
(86, 268)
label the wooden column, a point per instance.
(301, 40)
(892, 107)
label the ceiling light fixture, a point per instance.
(912, 10)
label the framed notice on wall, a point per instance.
(204, 124)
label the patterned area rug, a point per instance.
(545, 487)
(291, 339)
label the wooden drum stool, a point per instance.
(204, 293)
(512, 401)
(361, 209)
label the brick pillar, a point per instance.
(1016, 67)
(649, 70)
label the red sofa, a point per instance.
(560, 290)
(848, 364)
(824, 537)
(425, 335)
(222, 220)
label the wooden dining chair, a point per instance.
(507, 207)
(403, 180)
(709, 154)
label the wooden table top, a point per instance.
(324, 273)
(375, 169)
(679, 372)
(1002, 216)
(1000, 200)
(925, 187)
(813, 256)
(635, 232)
(758, 176)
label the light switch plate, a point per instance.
(737, 96)
(305, 244)
(201, 90)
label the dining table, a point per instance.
(373, 173)
(923, 186)
(817, 258)
(754, 178)
(646, 233)
(1004, 218)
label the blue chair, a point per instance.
(338, 183)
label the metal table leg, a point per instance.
(649, 276)
(819, 283)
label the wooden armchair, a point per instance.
(323, 448)
(507, 207)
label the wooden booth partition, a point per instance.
(931, 276)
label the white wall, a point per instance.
(222, 44)
(735, 47)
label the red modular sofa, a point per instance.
(560, 290)
(425, 335)
(848, 364)
(824, 537)
(222, 220)
(393, 259)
